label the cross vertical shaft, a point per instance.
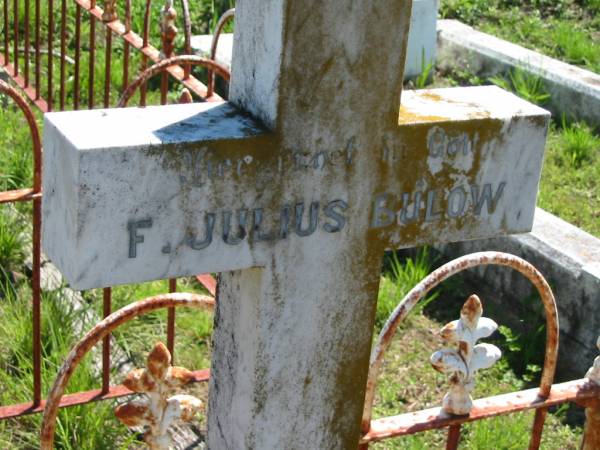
(292, 338)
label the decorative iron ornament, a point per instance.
(468, 357)
(110, 11)
(594, 373)
(159, 409)
(168, 30)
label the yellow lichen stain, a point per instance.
(479, 115)
(428, 95)
(407, 117)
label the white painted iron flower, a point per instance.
(594, 373)
(159, 409)
(468, 357)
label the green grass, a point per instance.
(570, 184)
(565, 29)
(91, 426)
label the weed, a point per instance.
(404, 276)
(527, 86)
(564, 29)
(426, 72)
(579, 143)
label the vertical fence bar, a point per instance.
(6, 42)
(538, 428)
(145, 44)
(591, 434)
(27, 44)
(107, 62)
(107, 300)
(15, 36)
(37, 64)
(126, 45)
(171, 322)
(453, 437)
(92, 56)
(109, 15)
(63, 52)
(37, 261)
(50, 56)
(76, 85)
(36, 301)
(187, 23)
(168, 32)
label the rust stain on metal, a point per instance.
(80, 398)
(110, 11)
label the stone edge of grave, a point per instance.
(574, 91)
(423, 29)
(570, 260)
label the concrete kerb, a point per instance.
(575, 92)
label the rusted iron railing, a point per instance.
(468, 357)
(45, 33)
(53, 27)
(579, 391)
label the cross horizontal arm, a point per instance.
(202, 187)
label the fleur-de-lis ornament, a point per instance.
(467, 357)
(594, 373)
(159, 409)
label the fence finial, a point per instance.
(594, 373)
(158, 411)
(110, 11)
(462, 362)
(168, 30)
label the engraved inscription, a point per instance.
(440, 144)
(205, 165)
(236, 226)
(433, 205)
(134, 238)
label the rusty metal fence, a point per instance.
(23, 59)
(36, 57)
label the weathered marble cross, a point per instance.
(293, 190)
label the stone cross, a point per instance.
(292, 190)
